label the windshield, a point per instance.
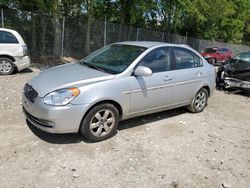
(113, 59)
(243, 56)
(210, 50)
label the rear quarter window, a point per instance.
(7, 38)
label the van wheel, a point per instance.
(100, 123)
(199, 101)
(6, 66)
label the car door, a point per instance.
(155, 91)
(187, 75)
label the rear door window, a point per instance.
(7, 38)
(185, 59)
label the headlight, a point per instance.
(207, 57)
(61, 97)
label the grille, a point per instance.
(30, 93)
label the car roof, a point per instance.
(146, 44)
(9, 30)
(149, 44)
(212, 47)
(224, 48)
(217, 47)
(244, 53)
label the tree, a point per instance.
(225, 20)
(246, 35)
(90, 9)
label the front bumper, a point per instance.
(236, 83)
(22, 62)
(53, 119)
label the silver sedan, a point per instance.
(120, 81)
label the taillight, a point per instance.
(25, 50)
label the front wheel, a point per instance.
(199, 102)
(100, 123)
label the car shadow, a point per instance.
(55, 138)
(24, 71)
(142, 120)
(238, 92)
(126, 124)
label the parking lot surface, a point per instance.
(169, 149)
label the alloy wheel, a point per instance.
(5, 66)
(102, 122)
(200, 101)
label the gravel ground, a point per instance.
(173, 149)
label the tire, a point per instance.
(220, 84)
(6, 66)
(100, 123)
(199, 102)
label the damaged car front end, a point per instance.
(235, 73)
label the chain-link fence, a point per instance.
(50, 38)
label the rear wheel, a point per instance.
(199, 101)
(6, 66)
(100, 123)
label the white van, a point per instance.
(13, 52)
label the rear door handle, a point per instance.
(167, 78)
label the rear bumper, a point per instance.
(236, 83)
(22, 62)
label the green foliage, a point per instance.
(224, 20)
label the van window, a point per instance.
(7, 37)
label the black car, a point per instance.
(235, 73)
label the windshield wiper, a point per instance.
(92, 66)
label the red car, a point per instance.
(216, 55)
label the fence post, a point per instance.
(62, 39)
(186, 37)
(199, 45)
(137, 33)
(162, 37)
(2, 17)
(105, 31)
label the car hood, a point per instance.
(65, 76)
(238, 69)
(236, 65)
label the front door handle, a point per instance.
(167, 78)
(198, 73)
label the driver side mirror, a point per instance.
(143, 71)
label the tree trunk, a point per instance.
(43, 24)
(57, 35)
(33, 34)
(120, 36)
(88, 27)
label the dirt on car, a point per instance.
(173, 149)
